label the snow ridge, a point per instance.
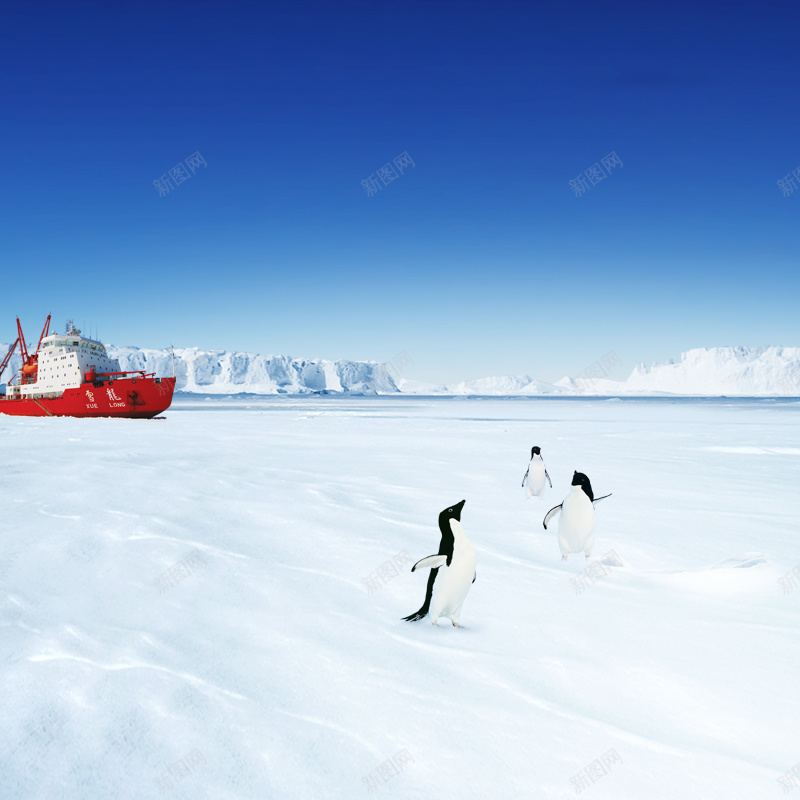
(702, 372)
(221, 372)
(713, 371)
(705, 372)
(512, 385)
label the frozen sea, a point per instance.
(209, 605)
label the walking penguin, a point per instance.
(452, 570)
(536, 475)
(576, 526)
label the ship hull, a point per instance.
(134, 398)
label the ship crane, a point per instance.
(23, 351)
(30, 364)
(45, 331)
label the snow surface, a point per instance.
(273, 663)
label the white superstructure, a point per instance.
(63, 361)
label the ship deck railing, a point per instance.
(126, 372)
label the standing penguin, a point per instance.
(452, 570)
(576, 526)
(536, 475)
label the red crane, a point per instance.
(30, 364)
(23, 351)
(45, 331)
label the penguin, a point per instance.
(576, 526)
(452, 570)
(536, 475)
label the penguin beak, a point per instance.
(457, 508)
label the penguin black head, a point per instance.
(535, 451)
(579, 479)
(454, 512)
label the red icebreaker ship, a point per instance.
(71, 376)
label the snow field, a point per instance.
(264, 667)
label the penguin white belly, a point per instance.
(453, 583)
(576, 524)
(536, 478)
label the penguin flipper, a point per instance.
(475, 578)
(550, 514)
(597, 499)
(430, 562)
(423, 611)
(547, 475)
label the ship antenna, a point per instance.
(173, 360)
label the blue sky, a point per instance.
(478, 260)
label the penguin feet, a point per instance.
(456, 625)
(588, 555)
(436, 623)
(563, 558)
